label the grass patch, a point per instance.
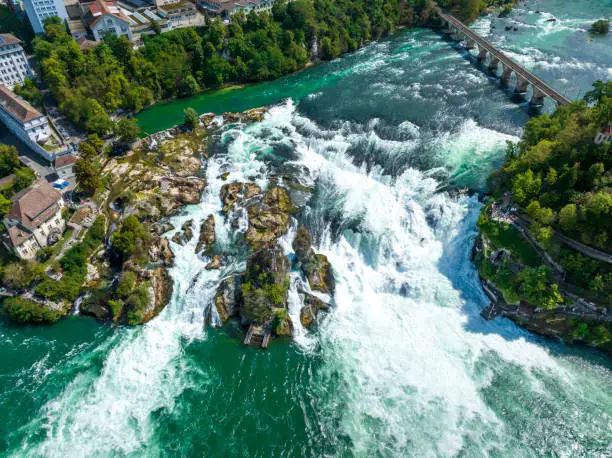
(503, 235)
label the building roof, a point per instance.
(65, 160)
(16, 106)
(18, 235)
(35, 205)
(76, 26)
(101, 8)
(7, 39)
(85, 43)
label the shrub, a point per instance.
(126, 284)
(601, 27)
(191, 118)
(25, 311)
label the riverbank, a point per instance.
(543, 253)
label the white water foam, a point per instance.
(402, 368)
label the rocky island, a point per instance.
(258, 296)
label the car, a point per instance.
(60, 184)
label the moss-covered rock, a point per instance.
(283, 325)
(186, 233)
(207, 234)
(265, 285)
(302, 245)
(310, 310)
(269, 218)
(236, 192)
(319, 274)
(227, 297)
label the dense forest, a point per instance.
(559, 177)
(113, 76)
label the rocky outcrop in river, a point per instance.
(258, 296)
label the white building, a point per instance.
(26, 123)
(104, 16)
(39, 10)
(64, 166)
(35, 220)
(14, 67)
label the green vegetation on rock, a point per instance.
(25, 311)
(600, 27)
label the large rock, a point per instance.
(310, 310)
(264, 291)
(269, 218)
(161, 291)
(232, 193)
(160, 252)
(319, 274)
(284, 327)
(216, 263)
(302, 245)
(184, 190)
(227, 297)
(186, 233)
(207, 234)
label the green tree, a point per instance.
(126, 284)
(130, 237)
(87, 151)
(24, 177)
(5, 205)
(95, 141)
(191, 118)
(568, 217)
(87, 176)
(600, 27)
(538, 289)
(127, 129)
(9, 160)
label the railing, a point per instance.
(520, 71)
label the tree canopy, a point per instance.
(560, 174)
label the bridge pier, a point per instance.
(506, 73)
(469, 44)
(493, 64)
(521, 85)
(537, 98)
(482, 53)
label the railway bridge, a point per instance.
(524, 78)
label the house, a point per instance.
(14, 67)
(28, 124)
(227, 8)
(604, 135)
(39, 10)
(103, 16)
(180, 14)
(35, 220)
(64, 166)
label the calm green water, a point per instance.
(403, 365)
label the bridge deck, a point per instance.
(520, 71)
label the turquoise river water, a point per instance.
(403, 365)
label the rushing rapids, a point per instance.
(402, 365)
